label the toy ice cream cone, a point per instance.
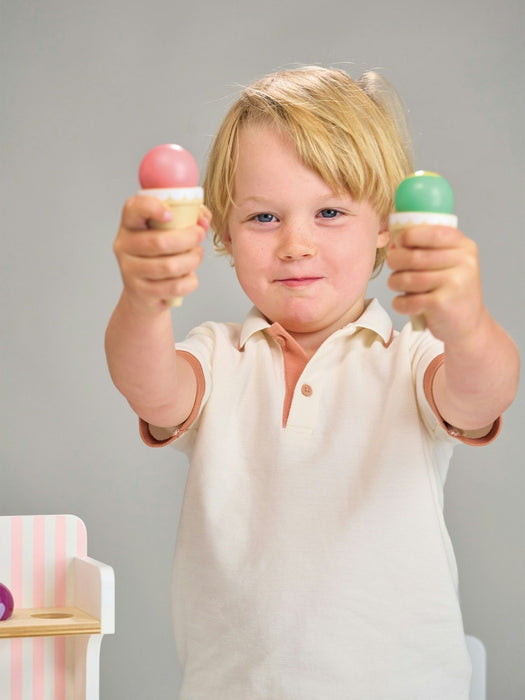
(170, 173)
(422, 198)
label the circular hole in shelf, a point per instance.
(52, 616)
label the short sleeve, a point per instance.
(455, 433)
(197, 349)
(427, 356)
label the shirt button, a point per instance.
(306, 390)
(281, 340)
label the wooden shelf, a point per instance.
(48, 622)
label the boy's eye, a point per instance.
(329, 213)
(264, 218)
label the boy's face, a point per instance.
(302, 253)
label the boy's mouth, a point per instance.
(298, 281)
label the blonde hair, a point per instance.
(352, 134)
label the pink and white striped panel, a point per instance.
(35, 553)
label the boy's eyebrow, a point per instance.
(256, 199)
(263, 199)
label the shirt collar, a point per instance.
(253, 323)
(373, 318)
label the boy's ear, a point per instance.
(383, 237)
(227, 240)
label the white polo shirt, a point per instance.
(312, 558)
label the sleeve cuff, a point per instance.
(456, 433)
(144, 430)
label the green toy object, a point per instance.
(423, 198)
(425, 191)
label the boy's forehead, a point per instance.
(259, 133)
(262, 149)
(267, 162)
(267, 145)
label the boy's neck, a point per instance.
(311, 341)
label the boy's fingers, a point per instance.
(415, 282)
(429, 237)
(204, 213)
(152, 244)
(139, 209)
(168, 267)
(420, 258)
(412, 304)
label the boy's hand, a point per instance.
(435, 269)
(157, 265)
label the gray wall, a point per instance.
(87, 88)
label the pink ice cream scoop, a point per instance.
(168, 166)
(170, 173)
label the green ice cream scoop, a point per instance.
(423, 198)
(425, 191)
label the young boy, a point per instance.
(312, 557)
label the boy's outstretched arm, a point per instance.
(436, 272)
(155, 265)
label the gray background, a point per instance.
(87, 89)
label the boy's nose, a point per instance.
(296, 242)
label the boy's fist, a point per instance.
(157, 265)
(435, 270)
